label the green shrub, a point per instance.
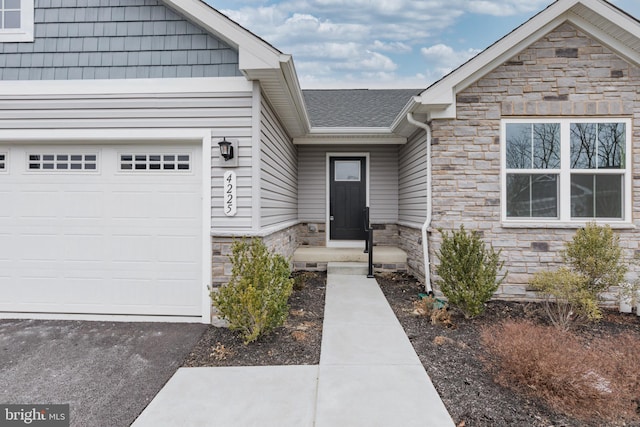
(595, 253)
(468, 271)
(567, 297)
(255, 299)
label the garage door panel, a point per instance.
(183, 205)
(36, 204)
(133, 205)
(39, 247)
(7, 251)
(176, 249)
(6, 209)
(132, 248)
(103, 243)
(81, 247)
(82, 290)
(174, 288)
(82, 205)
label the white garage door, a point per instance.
(101, 229)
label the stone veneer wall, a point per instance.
(314, 234)
(283, 242)
(410, 241)
(564, 74)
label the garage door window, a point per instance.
(155, 162)
(63, 162)
(3, 162)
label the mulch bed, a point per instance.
(296, 343)
(451, 355)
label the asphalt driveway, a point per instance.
(106, 371)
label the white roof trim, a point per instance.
(350, 131)
(254, 52)
(439, 98)
(124, 86)
(350, 135)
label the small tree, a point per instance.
(468, 271)
(595, 253)
(566, 297)
(255, 299)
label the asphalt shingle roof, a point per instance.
(356, 107)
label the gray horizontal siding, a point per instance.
(412, 180)
(225, 114)
(279, 170)
(114, 39)
(383, 176)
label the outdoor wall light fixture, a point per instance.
(226, 149)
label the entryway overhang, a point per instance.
(354, 136)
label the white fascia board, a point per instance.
(401, 118)
(124, 86)
(282, 90)
(249, 61)
(293, 86)
(351, 139)
(254, 52)
(350, 131)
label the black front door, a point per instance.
(347, 198)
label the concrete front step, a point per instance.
(348, 268)
(385, 258)
(381, 254)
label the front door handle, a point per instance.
(331, 218)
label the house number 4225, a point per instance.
(230, 194)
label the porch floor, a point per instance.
(384, 257)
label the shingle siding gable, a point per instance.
(112, 39)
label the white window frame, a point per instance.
(26, 31)
(147, 161)
(66, 171)
(564, 219)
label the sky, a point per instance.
(382, 43)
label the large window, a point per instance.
(566, 170)
(16, 20)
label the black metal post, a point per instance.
(366, 229)
(370, 242)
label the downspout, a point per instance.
(427, 223)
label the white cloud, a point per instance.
(369, 40)
(397, 47)
(505, 7)
(442, 59)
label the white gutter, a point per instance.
(427, 223)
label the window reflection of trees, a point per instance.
(532, 195)
(597, 145)
(533, 146)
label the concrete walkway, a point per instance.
(369, 375)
